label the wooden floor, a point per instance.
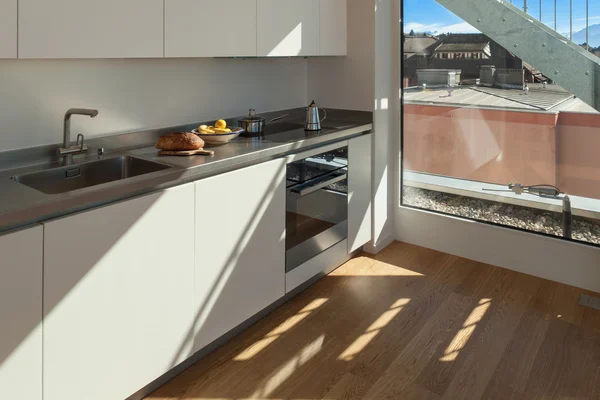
(410, 323)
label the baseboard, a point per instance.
(157, 383)
(546, 257)
(372, 248)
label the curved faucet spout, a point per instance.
(68, 158)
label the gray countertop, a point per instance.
(21, 205)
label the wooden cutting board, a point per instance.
(201, 152)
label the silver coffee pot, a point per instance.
(313, 119)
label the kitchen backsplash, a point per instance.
(138, 94)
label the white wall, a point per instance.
(138, 94)
(348, 82)
(364, 80)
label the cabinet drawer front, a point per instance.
(21, 314)
(240, 245)
(118, 296)
(360, 220)
(322, 264)
(90, 28)
(288, 28)
(333, 28)
(209, 28)
(8, 28)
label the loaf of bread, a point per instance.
(180, 141)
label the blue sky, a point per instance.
(428, 15)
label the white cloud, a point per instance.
(594, 18)
(462, 27)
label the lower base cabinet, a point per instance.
(118, 296)
(240, 247)
(21, 314)
(132, 289)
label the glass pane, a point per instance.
(495, 131)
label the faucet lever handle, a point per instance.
(80, 139)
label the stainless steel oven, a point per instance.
(317, 204)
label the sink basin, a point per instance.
(80, 176)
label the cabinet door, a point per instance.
(90, 28)
(118, 296)
(359, 192)
(209, 28)
(8, 28)
(240, 245)
(333, 28)
(21, 314)
(288, 28)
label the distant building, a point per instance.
(419, 46)
(463, 47)
(533, 75)
(417, 51)
(456, 51)
(469, 52)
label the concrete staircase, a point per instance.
(563, 61)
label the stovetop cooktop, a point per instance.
(284, 132)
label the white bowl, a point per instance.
(219, 138)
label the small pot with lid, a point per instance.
(255, 124)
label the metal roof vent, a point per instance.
(439, 77)
(510, 78)
(486, 75)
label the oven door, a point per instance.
(317, 205)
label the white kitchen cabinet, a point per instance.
(118, 295)
(240, 247)
(359, 192)
(288, 28)
(209, 28)
(21, 314)
(8, 28)
(91, 28)
(333, 27)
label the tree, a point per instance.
(412, 33)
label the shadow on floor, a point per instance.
(409, 323)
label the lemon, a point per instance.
(206, 131)
(221, 124)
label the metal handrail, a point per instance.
(587, 18)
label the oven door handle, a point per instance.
(309, 187)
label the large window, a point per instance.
(494, 134)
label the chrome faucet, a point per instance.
(67, 151)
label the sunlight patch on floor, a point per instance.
(256, 347)
(464, 334)
(188, 397)
(385, 269)
(367, 266)
(381, 322)
(285, 372)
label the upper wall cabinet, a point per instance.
(333, 19)
(288, 28)
(91, 28)
(8, 28)
(209, 28)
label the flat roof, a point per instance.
(552, 99)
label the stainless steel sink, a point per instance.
(80, 176)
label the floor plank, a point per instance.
(491, 341)
(410, 323)
(441, 370)
(403, 371)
